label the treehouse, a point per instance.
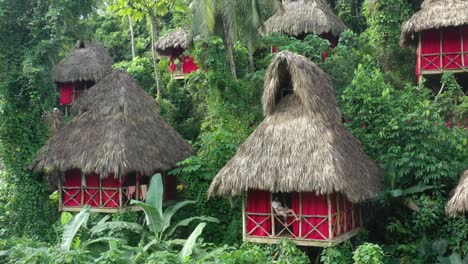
(88, 63)
(301, 174)
(301, 18)
(458, 203)
(173, 45)
(106, 155)
(439, 31)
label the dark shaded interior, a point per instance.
(433, 81)
(286, 86)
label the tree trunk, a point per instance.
(229, 48)
(132, 35)
(153, 53)
(250, 49)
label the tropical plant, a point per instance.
(159, 220)
(153, 11)
(368, 253)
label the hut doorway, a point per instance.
(322, 220)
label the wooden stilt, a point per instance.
(60, 194)
(120, 192)
(272, 214)
(330, 231)
(244, 228)
(300, 214)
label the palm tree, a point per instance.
(231, 19)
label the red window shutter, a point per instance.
(451, 48)
(66, 93)
(72, 196)
(430, 50)
(258, 202)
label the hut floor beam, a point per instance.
(305, 242)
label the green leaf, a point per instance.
(171, 210)
(191, 241)
(65, 217)
(115, 225)
(154, 219)
(187, 221)
(417, 189)
(72, 227)
(155, 193)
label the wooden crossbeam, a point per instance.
(258, 224)
(315, 228)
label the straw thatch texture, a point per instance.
(304, 17)
(177, 39)
(434, 14)
(88, 61)
(301, 145)
(458, 204)
(117, 129)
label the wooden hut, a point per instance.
(173, 45)
(304, 17)
(458, 203)
(88, 63)
(107, 153)
(439, 31)
(302, 154)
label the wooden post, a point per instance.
(244, 229)
(352, 217)
(345, 219)
(137, 183)
(82, 188)
(100, 191)
(60, 193)
(419, 54)
(441, 50)
(300, 214)
(330, 231)
(120, 191)
(338, 214)
(272, 216)
(360, 216)
(462, 48)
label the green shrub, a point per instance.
(368, 253)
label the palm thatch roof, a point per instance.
(301, 145)
(177, 39)
(88, 61)
(304, 17)
(117, 129)
(458, 204)
(434, 14)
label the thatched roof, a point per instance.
(117, 129)
(458, 204)
(301, 145)
(88, 61)
(177, 39)
(434, 14)
(304, 17)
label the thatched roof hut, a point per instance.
(458, 204)
(117, 129)
(174, 40)
(434, 14)
(88, 61)
(301, 145)
(303, 17)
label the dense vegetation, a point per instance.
(416, 136)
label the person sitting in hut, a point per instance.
(282, 210)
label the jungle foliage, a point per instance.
(419, 138)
